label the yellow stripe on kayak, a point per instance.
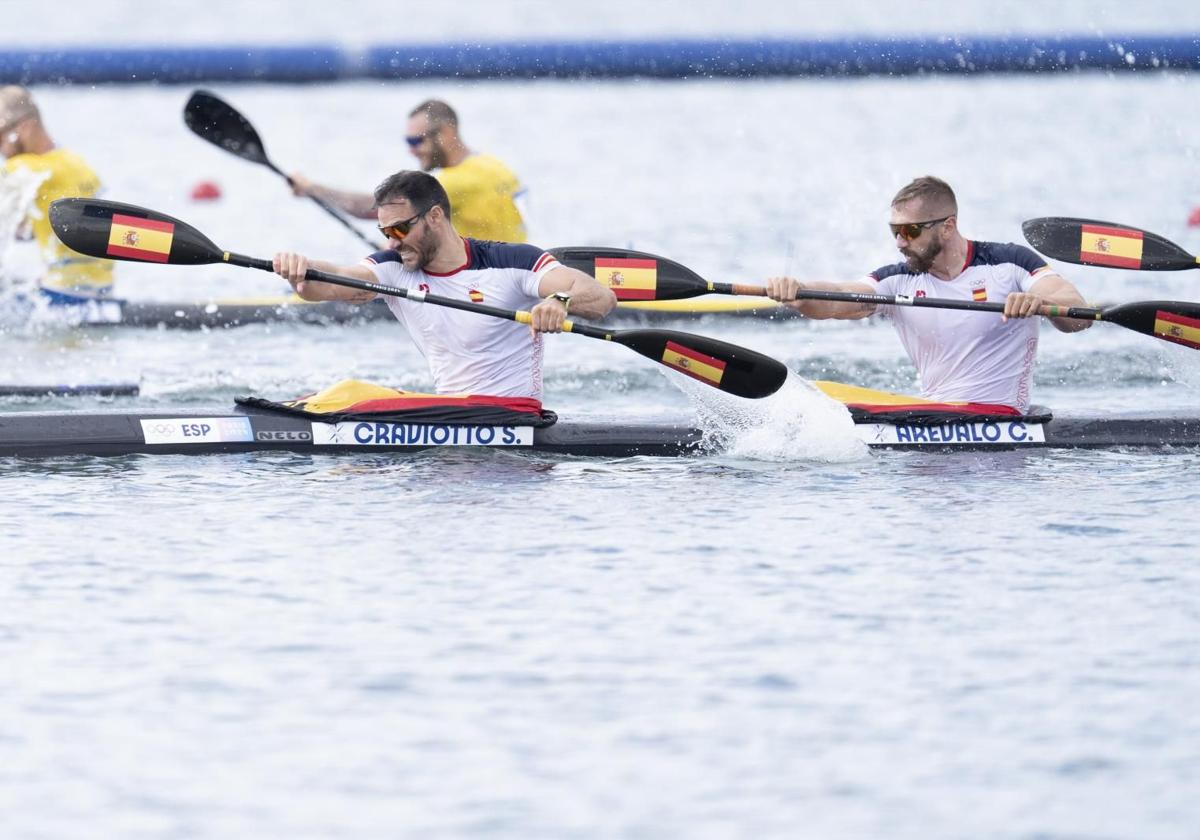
(700, 305)
(854, 394)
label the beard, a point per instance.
(920, 261)
(418, 250)
(437, 153)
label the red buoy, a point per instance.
(206, 191)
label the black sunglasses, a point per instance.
(911, 230)
(399, 230)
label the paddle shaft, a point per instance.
(634, 275)
(1048, 310)
(624, 271)
(216, 121)
(328, 209)
(731, 289)
(419, 297)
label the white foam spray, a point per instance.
(797, 423)
(18, 191)
(1183, 364)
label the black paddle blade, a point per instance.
(1170, 320)
(735, 370)
(1108, 244)
(218, 123)
(116, 231)
(633, 275)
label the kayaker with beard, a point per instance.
(961, 356)
(468, 353)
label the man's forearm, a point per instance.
(823, 309)
(317, 290)
(591, 300)
(1062, 293)
(359, 205)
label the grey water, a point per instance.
(768, 643)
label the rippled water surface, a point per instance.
(774, 642)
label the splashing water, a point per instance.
(797, 423)
(18, 190)
(1182, 364)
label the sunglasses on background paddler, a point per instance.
(414, 140)
(399, 230)
(911, 230)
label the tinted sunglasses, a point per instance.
(414, 140)
(911, 230)
(399, 230)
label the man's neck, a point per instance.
(451, 255)
(951, 262)
(37, 141)
(456, 153)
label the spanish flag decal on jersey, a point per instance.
(140, 239)
(476, 296)
(1177, 328)
(979, 294)
(695, 364)
(629, 279)
(1117, 247)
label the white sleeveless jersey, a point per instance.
(469, 353)
(965, 356)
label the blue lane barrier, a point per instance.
(725, 59)
(97, 65)
(675, 58)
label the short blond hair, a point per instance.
(933, 193)
(438, 113)
(16, 104)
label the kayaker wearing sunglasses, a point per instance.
(961, 356)
(468, 353)
(484, 193)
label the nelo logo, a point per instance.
(283, 435)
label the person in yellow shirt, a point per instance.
(483, 191)
(26, 145)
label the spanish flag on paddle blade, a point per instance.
(1117, 247)
(1177, 328)
(629, 279)
(695, 364)
(140, 239)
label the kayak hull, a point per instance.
(220, 430)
